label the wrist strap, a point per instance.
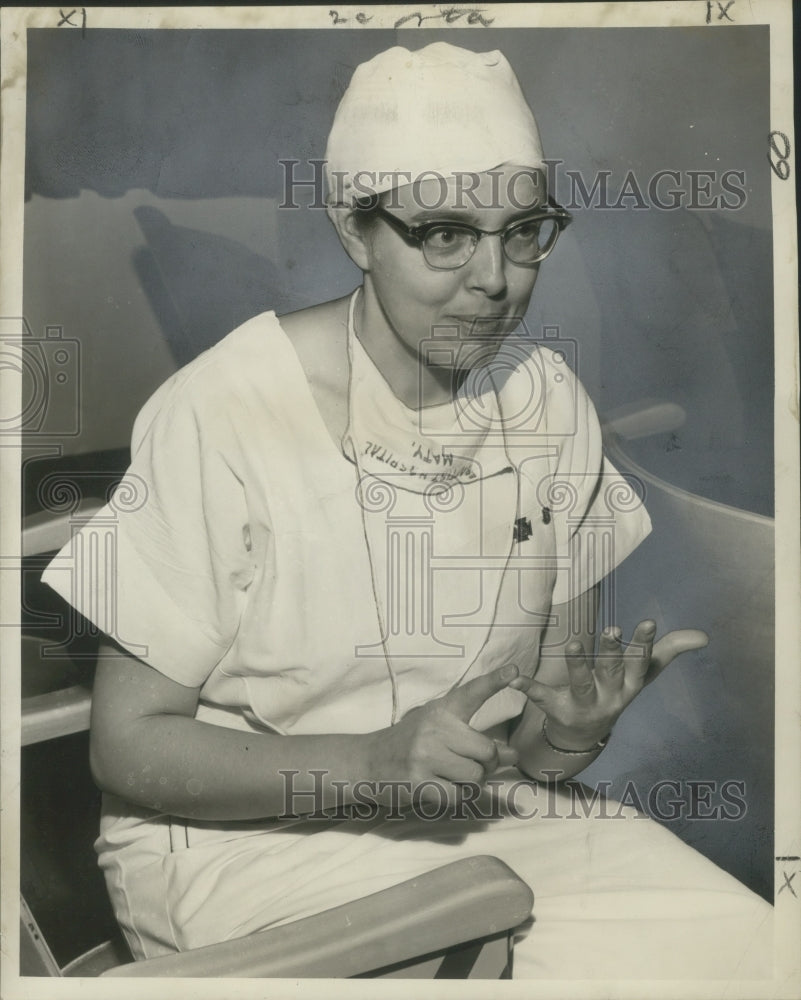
(572, 753)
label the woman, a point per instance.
(363, 578)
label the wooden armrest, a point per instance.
(468, 899)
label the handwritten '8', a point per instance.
(780, 166)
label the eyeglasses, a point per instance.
(449, 245)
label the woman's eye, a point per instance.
(445, 236)
(528, 230)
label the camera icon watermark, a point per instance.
(487, 362)
(49, 371)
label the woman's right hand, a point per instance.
(434, 745)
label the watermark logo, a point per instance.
(309, 184)
(49, 371)
(316, 795)
(484, 353)
(86, 566)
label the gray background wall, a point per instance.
(152, 230)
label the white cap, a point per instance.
(441, 110)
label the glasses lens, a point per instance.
(449, 246)
(531, 240)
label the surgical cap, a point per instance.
(441, 110)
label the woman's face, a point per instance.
(408, 303)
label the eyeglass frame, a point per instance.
(417, 234)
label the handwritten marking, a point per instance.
(722, 11)
(780, 166)
(67, 19)
(787, 885)
(788, 877)
(361, 17)
(472, 15)
(475, 15)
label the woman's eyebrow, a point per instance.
(469, 217)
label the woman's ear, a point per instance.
(352, 234)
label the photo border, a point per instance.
(775, 13)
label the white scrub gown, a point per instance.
(248, 556)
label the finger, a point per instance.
(438, 797)
(472, 745)
(609, 663)
(541, 694)
(458, 769)
(490, 754)
(643, 635)
(677, 642)
(672, 645)
(507, 756)
(466, 700)
(579, 672)
(638, 652)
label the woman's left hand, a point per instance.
(584, 710)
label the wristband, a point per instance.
(572, 753)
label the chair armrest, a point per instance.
(57, 713)
(47, 531)
(65, 710)
(461, 901)
(643, 418)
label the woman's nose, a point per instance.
(488, 266)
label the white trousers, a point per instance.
(616, 895)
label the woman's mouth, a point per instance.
(486, 323)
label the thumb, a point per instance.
(674, 644)
(507, 756)
(466, 700)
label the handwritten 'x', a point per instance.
(723, 10)
(65, 18)
(787, 881)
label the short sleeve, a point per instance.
(164, 567)
(599, 515)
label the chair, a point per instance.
(453, 922)
(709, 720)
